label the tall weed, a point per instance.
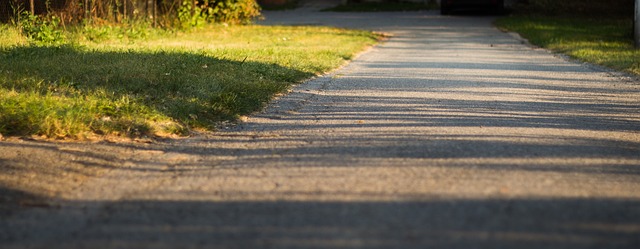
(41, 30)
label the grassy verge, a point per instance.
(604, 41)
(384, 6)
(144, 82)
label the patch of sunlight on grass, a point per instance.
(606, 42)
(10, 36)
(162, 83)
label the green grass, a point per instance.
(158, 83)
(383, 6)
(602, 41)
(10, 36)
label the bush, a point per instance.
(217, 11)
(234, 11)
(41, 30)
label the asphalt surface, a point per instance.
(451, 134)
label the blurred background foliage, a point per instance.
(161, 13)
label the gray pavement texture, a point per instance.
(451, 134)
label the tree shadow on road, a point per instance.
(447, 223)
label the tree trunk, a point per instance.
(155, 13)
(114, 10)
(86, 9)
(636, 24)
(124, 11)
(32, 5)
(193, 8)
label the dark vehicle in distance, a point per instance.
(446, 6)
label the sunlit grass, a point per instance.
(602, 41)
(10, 36)
(151, 82)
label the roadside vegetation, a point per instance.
(594, 31)
(130, 79)
(606, 42)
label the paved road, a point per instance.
(451, 134)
